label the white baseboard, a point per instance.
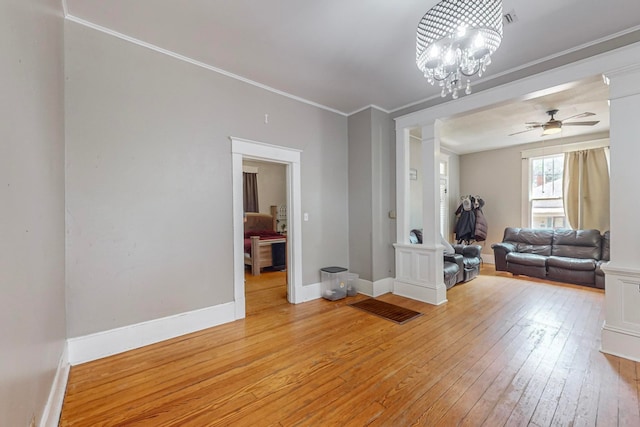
(366, 287)
(53, 408)
(375, 289)
(107, 343)
(621, 343)
(311, 292)
(488, 259)
(432, 294)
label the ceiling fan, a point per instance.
(555, 126)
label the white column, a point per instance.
(430, 187)
(403, 210)
(419, 269)
(621, 330)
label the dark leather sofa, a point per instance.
(571, 256)
(462, 266)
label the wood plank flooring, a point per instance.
(502, 351)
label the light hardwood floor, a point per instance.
(502, 351)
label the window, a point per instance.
(545, 192)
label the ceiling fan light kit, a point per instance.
(554, 126)
(455, 41)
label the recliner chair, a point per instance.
(462, 266)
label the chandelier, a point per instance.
(455, 41)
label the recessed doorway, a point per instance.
(242, 150)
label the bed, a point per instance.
(262, 244)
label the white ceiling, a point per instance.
(347, 55)
(491, 128)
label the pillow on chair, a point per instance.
(448, 249)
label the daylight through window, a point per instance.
(545, 192)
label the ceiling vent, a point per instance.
(509, 17)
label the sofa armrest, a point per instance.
(500, 251)
(457, 259)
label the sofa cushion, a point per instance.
(580, 264)
(576, 243)
(530, 240)
(533, 260)
(471, 262)
(579, 277)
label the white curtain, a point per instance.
(586, 189)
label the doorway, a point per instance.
(265, 209)
(243, 149)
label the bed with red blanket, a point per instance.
(259, 238)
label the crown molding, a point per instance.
(359, 110)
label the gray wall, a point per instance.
(32, 291)
(384, 194)
(149, 180)
(496, 176)
(371, 194)
(360, 188)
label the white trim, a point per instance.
(564, 148)
(556, 79)
(53, 408)
(525, 207)
(312, 292)
(195, 62)
(419, 273)
(431, 294)
(369, 106)
(244, 148)
(107, 343)
(620, 342)
(365, 287)
(377, 288)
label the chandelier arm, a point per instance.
(476, 70)
(443, 78)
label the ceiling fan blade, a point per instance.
(522, 131)
(536, 124)
(581, 123)
(579, 116)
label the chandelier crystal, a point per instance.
(455, 40)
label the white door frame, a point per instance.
(243, 148)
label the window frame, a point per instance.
(532, 199)
(561, 147)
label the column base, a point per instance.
(435, 295)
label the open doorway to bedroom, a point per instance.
(285, 223)
(265, 234)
